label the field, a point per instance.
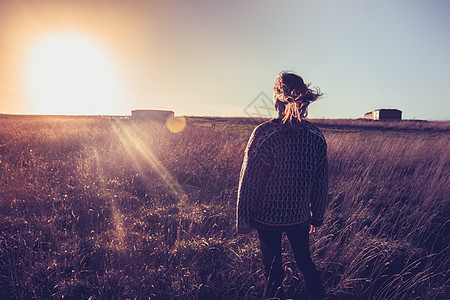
(108, 208)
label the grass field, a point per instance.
(108, 208)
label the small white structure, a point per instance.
(151, 115)
(384, 114)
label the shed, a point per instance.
(151, 115)
(384, 114)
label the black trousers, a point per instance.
(270, 245)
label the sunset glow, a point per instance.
(70, 74)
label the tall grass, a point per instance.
(105, 208)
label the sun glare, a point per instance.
(70, 74)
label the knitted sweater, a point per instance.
(284, 178)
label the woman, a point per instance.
(283, 184)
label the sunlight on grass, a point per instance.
(116, 214)
(134, 145)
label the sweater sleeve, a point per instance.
(252, 181)
(319, 195)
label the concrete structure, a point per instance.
(151, 115)
(384, 114)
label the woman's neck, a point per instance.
(294, 122)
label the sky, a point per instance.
(221, 58)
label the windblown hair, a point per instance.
(292, 97)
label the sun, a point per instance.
(70, 74)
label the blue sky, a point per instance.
(215, 57)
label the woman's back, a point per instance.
(293, 162)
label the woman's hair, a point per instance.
(292, 97)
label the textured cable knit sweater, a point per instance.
(284, 178)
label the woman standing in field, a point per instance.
(283, 184)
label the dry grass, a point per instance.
(107, 208)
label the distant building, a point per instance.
(384, 114)
(151, 115)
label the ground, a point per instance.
(106, 207)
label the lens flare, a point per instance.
(175, 124)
